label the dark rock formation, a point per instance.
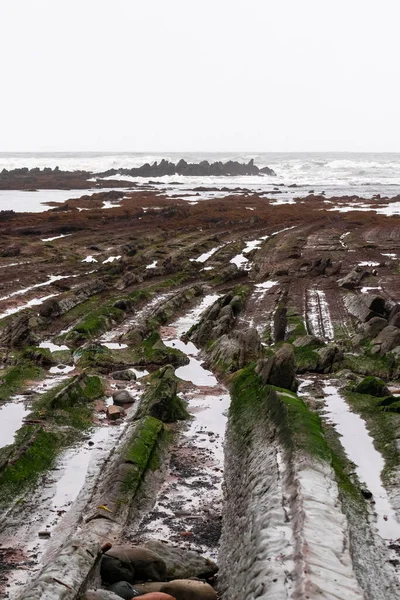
(217, 320)
(371, 328)
(279, 370)
(232, 352)
(161, 400)
(202, 169)
(183, 564)
(386, 340)
(18, 333)
(145, 564)
(123, 589)
(122, 397)
(353, 279)
(363, 307)
(280, 323)
(126, 375)
(112, 570)
(372, 386)
(327, 357)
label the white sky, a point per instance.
(186, 75)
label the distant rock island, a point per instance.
(204, 168)
(47, 178)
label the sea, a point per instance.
(334, 173)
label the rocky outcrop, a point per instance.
(161, 315)
(323, 266)
(217, 320)
(354, 278)
(54, 308)
(386, 340)
(233, 352)
(202, 169)
(280, 323)
(161, 400)
(364, 306)
(153, 352)
(181, 563)
(117, 489)
(127, 280)
(279, 370)
(17, 333)
(327, 358)
(371, 328)
(268, 536)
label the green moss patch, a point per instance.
(306, 359)
(94, 324)
(141, 453)
(299, 428)
(13, 379)
(161, 400)
(37, 459)
(152, 351)
(295, 325)
(372, 386)
(371, 364)
(56, 421)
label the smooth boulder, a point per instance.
(373, 327)
(123, 589)
(115, 412)
(189, 589)
(99, 595)
(147, 565)
(122, 397)
(112, 570)
(183, 564)
(157, 596)
(126, 375)
(372, 386)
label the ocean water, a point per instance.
(337, 174)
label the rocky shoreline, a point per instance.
(198, 352)
(48, 178)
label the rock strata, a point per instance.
(202, 169)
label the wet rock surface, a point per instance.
(156, 473)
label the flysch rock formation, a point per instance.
(197, 399)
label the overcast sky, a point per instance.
(186, 75)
